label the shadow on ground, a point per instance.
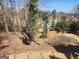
(67, 50)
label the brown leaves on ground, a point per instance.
(15, 45)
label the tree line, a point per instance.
(29, 24)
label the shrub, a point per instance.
(74, 26)
(71, 56)
(2, 27)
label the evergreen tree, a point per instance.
(53, 19)
(45, 29)
(62, 25)
(32, 19)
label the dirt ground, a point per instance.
(16, 46)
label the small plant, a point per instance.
(71, 56)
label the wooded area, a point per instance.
(30, 21)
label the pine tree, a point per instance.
(32, 18)
(45, 29)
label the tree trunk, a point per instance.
(4, 15)
(5, 24)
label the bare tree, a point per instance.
(4, 14)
